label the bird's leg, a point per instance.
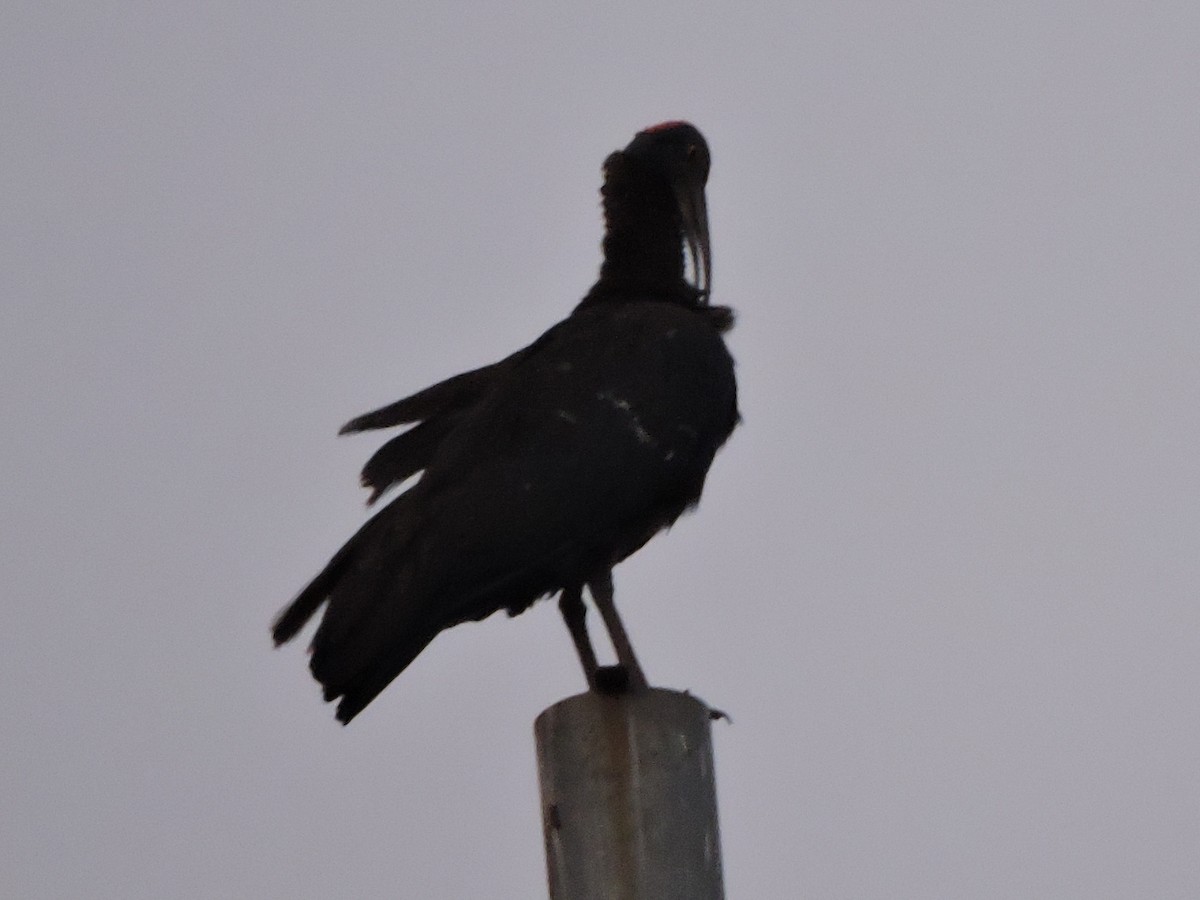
(601, 589)
(574, 613)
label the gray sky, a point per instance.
(945, 577)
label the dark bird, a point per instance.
(544, 470)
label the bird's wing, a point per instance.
(568, 460)
(453, 392)
(583, 451)
(437, 409)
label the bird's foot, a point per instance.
(617, 679)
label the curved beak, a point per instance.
(693, 212)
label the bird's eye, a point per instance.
(691, 152)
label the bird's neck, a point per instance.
(643, 244)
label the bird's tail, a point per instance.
(294, 616)
(375, 623)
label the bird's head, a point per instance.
(677, 153)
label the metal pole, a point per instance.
(629, 807)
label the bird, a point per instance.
(541, 472)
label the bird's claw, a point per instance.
(614, 680)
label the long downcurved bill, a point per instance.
(693, 210)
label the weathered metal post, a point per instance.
(629, 808)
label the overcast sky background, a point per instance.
(945, 578)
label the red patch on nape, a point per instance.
(665, 126)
